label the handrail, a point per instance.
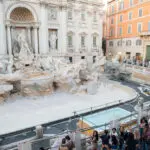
(73, 131)
(83, 129)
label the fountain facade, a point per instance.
(50, 43)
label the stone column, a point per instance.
(36, 40)
(89, 40)
(43, 30)
(9, 42)
(3, 50)
(62, 32)
(29, 34)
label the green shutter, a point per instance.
(148, 52)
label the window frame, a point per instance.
(129, 25)
(139, 23)
(139, 12)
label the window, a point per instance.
(83, 16)
(69, 15)
(129, 28)
(130, 16)
(139, 27)
(94, 59)
(112, 20)
(120, 31)
(128, 55)
(82, 57)
(112, 9)
(70, 59)
(128, 43)
(149, 26)
(111, 43)
(70, 43)
(119, 43)
(111, 32)
(95, 17)
(82, 41)
(138, 42)
(94, 41)
(121, 18)
(121, 4)
(131, 2)
(140, 12)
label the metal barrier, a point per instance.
(83, 141)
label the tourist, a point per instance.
(69, 143)
(114, 141)
(121, 138)
(130, 144)
(63, 145)
(145, 137)
(141, 127)
(42, 148)
(114, 132)
(105, 140)
(137, 138)
(95, 140)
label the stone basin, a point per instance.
(37, 84)
(4, 91)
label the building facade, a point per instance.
(128, 28)
(60, 28)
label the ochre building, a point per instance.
(128, 28)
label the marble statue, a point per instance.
(53, 39)
(10, 65)
(25, 52)
(6, 65)
(2, 67)
(47, 63)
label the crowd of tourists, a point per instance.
(138, 62)
(121, 139)
(114, 139)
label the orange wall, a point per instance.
(135, 19)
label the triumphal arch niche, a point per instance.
(22, 33)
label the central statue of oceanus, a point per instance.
(25, 52)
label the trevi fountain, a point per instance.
(51, 61)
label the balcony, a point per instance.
(70, 49)
(95, 49)
(83, 49)
(144, 33)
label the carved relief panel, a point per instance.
(52, 14)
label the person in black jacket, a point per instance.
(105, 140)
(130, 143)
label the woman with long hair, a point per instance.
(95, 140)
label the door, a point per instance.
(148, 52)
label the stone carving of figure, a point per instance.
(53, 14)
(10, 65)
(25, 52)
(53, 39)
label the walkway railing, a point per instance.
(52, 139)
